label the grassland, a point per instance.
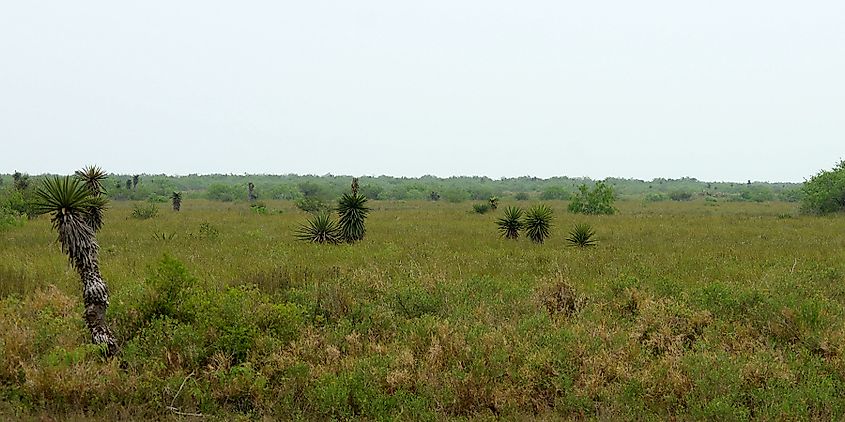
(691, 310)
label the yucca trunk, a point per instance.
(252, 195)
(78, 241)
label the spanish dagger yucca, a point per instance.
(538, 223)
(511, 223)
(70, 204)
(352, 210)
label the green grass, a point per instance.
(690, 310)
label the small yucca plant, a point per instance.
(319, 229)
(581, 236)
(511, 223)
(352, 210)
(538, 223)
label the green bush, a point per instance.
(680, 195)
(481, 208)
(221, 192)
(599, 200)
(145, 211)
(521, 196)
(555, 192)
(824, 193)
(311, 204)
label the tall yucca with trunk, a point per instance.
(252, 196)
(176, 201)
(352, 210)
(69, 203)
(92, 177)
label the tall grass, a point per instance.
(685, 311)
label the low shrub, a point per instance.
(144, 211)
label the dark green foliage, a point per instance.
(144, 211)
(312, 205)
(352, 212)
(62, 196)
(481, 208)
(824, 193)
(93, 177)
(434, 196)
(20, 181)
(555, 192)
(538, 223)
(680, 195)
(511, 223)
(581, 236)
(320, 228)
(521, 196)
(176, 201)
(599, 200)
(494, 202)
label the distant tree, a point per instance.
(135, 179)
(824, 193)
(252, 195)
(493, 201)
(176, 201)
(68, 202)
(354, 185)
(680, 195)
(20, 181)
(599, 200)
(128, 184)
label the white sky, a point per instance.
(718, 90)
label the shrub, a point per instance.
(680, 195)
(599, 200)
(481, 208)
(221, 192)
(258, 208)
(555, 192)
(311, 204)
(538, 223)
(824, 193)
(511, 223)
(9, 218)
(655, 197)
(144, 211)
(521, 196)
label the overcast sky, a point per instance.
(717, 90)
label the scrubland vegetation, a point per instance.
(711, 307)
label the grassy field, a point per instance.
(692, 310)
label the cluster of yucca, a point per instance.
(352, 212)
(537, 223)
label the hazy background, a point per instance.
(718, 90)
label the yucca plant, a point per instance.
(538, 223)
(92, 177)
(176, 201)
(352, 210)
(511, 223)
(494, 202)
(581, 236)
(319, 229)
(69, 203)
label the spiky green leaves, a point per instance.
(70, 203)
(538, 223)
(581, 236)
(511, 223)
(320, 228)
(494, 202)
(352, 210)
(92, 177)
